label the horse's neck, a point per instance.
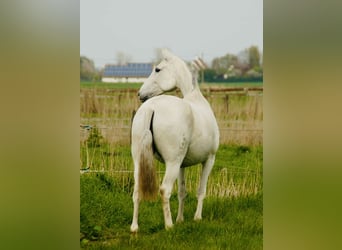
(196, 97)
(185, 85)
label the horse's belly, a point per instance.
(198, 153)
(190, 161)
(202, 144)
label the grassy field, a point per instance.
(106, 217)
(232, 212)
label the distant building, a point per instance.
(130, 72)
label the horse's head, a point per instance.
(162, 79)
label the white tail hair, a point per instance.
(148, 188)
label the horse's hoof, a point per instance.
(134, 229)
(168, 227)
(198, 218)
(179, 220)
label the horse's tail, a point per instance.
(148, 188)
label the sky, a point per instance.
(189, 28)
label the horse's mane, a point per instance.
(194, 74)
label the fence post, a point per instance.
(226, 100)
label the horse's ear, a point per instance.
(167, 55)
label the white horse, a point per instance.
(179, 132)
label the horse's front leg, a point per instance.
(171, 174)
(181, 195)
(207, 166)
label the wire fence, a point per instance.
(224, 183)
(229, 133)
(239, 115)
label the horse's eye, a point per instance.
(157, 70)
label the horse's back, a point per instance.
(168, 111)
(178, 127)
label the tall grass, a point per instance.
(237, 171)
(239, 115)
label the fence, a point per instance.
(238, 111)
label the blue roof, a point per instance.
(128, 70)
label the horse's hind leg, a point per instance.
(170, 177)
(181, 195)
(207, 166)
(136, 200)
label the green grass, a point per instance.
(230, 220)
(106, 213)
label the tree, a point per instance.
(87, 69)
(209, 75)
(123, 58)
(222, 64)
(254, 57)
